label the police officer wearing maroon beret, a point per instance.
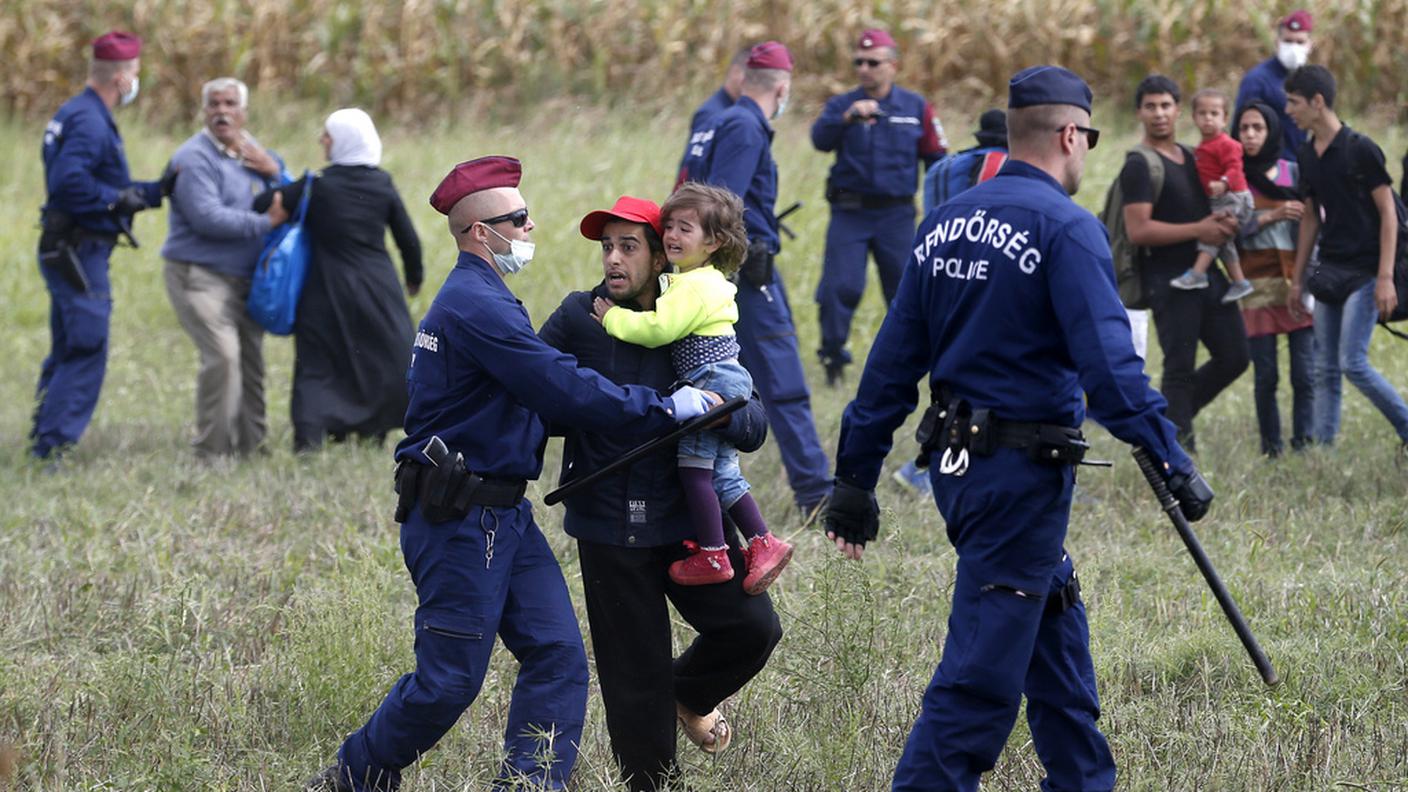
(735, 152)
(482, 387)
(885, 137)
(91, 200)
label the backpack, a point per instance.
(1400, 254)
(958, 172)
(1125, 254)
(282, 267)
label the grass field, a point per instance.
(171, 626)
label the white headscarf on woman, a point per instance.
(354, 138)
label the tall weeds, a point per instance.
(409, 59)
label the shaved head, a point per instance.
(1035, 126)
(476, 206)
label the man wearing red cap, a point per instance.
(629, 528)
(736, 153)
(91, 200)
(482, 388)
(885, 138)
(1265, 81)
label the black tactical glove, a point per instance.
(129, 202)
(1193, 494)
(168, 179)
(853, 514)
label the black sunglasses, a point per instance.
(519, 218)
(1092, 136)
(871, 62)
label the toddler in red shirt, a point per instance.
(1219, 160)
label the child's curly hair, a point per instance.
(720, 214)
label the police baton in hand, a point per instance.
(695, 424)
(1190, 540)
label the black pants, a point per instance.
(641, 679)
(1182, 319)
(1267, 376)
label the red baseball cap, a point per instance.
(117, 46)
(471, 177)
(632, 210)
(875, 37)
(770, 55)
(1298, 21)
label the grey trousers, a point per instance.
(230, 385)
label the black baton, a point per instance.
(781, 226)
(1190, 540)
(694, 424)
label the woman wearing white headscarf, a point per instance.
(352, 332)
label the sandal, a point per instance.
(699, 728)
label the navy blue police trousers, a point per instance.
(852, 236)
(72, 374)
(1007, 520)
(767, 339)
(467, 595)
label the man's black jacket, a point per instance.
(641, 506)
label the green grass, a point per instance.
(170, 626)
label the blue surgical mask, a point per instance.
(130, 95)
(519, 253)
(781, 105)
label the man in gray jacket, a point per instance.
(211, 250)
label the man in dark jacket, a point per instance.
(629, 529)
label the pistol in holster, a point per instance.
(58, 248)
(757, 266)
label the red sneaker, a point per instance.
(767, 557)
(701, 567)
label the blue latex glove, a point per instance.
(689, 403)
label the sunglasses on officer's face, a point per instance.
(519, 218)
(1092, 136)
(871, 62)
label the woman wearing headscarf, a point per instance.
(1267, 245)
(352, 331)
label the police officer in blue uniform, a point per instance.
(881, 134)
(91, 200)
(481, 387)
(736, 153)
(1008, 304)
(721, 100)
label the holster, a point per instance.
(953, 424)
(58, 243)
(756, 269)
(449, 491)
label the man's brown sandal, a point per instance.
(700, 728)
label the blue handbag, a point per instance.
(282, 267)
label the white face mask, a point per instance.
(130, 95)
(781, 105)
(519, 253)
(1292, 55)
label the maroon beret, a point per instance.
(471, 177)
(875, 37)
(770, 55)
(1298, 21)
(116, 46)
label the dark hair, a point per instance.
(1155, 84)
(652, 240)
(1307, 81)
(720, 214)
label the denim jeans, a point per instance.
(1266, 376)
(1342, 334)
(709, 449)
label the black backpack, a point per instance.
(1400, 255)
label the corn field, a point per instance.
(407, 59)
